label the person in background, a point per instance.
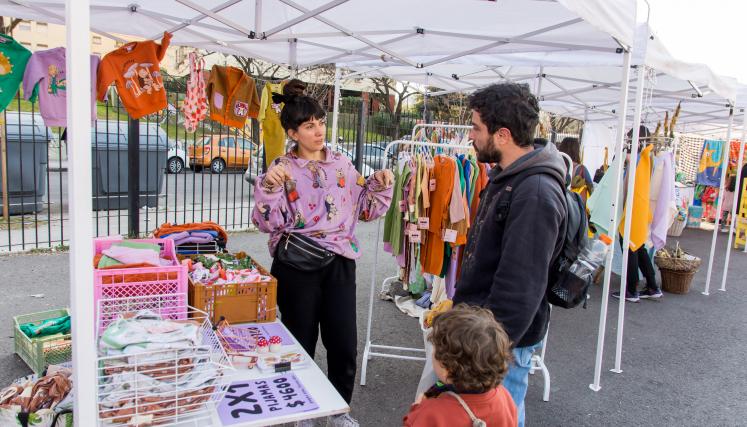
(509, 252)
(638, 260)
(726, 214)
(471, 355)
(302, 195)
(581, 181)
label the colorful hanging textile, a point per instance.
(711, 159)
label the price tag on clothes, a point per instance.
(424, 223)
(402, 206)
(432, 185)
(411, 228)
(415, 236)
(449, 236)
(268, 398)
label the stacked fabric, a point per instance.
(39, 397)
(153, 365)
(188, 237)
(224, 268)
(131, 254)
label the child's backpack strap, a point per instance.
(476, 422)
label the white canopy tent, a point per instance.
(417, 34)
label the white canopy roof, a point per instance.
(334, 31)
(585, 93)
(411, 40)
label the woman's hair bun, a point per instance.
(283, 99)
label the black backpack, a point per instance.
(564, 289)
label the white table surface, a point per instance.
(313, 379)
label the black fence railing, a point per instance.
(183, 177)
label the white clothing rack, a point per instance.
(385, 350)
(436, 126)
(379, 350)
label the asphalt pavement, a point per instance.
(682, 360)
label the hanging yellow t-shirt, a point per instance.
(642, 212)
(272, 135)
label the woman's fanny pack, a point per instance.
(302, 253)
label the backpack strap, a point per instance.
(476, 422)
(504, 206)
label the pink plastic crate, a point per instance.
(167, 283)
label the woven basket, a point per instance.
(690, 263)
(676, 282)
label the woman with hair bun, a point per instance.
(309, 201)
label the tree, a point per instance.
(384, 89)
(565, 124)
(451, 108)
(7, 24)
(318, 78)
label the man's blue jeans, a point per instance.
(517, 378)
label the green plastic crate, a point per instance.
(39, 353)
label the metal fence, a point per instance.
(182, 177)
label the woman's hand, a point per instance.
(384, 177)
(276, 176)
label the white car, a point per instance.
(176, 159)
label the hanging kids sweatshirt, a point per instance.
(135, 69)
(232, 96)
(47, 68)
(13, 59)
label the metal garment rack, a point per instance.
(380, 350)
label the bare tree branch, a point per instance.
(7, 28)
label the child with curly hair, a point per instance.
(471, 354)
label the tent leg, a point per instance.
(625, 82)
(634, 149)
(336, 109)
(735, 202)
(370, 304)
(719, 201)
(77, 23)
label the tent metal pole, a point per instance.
(735, 202)
(625, 79)
(628, 215)
(305, 16)
(293, 57)
(335, 108)
(516, 39)
(348, 32)
(77, 22)
(719, 200)
(218, 17)
(538, 91)
(258, 16)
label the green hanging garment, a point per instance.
(13, 59)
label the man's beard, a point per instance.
(488, 154)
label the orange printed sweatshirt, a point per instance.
(135, 69)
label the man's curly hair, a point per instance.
(508, 105)
(472, 346)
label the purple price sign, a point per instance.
(275, 397)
